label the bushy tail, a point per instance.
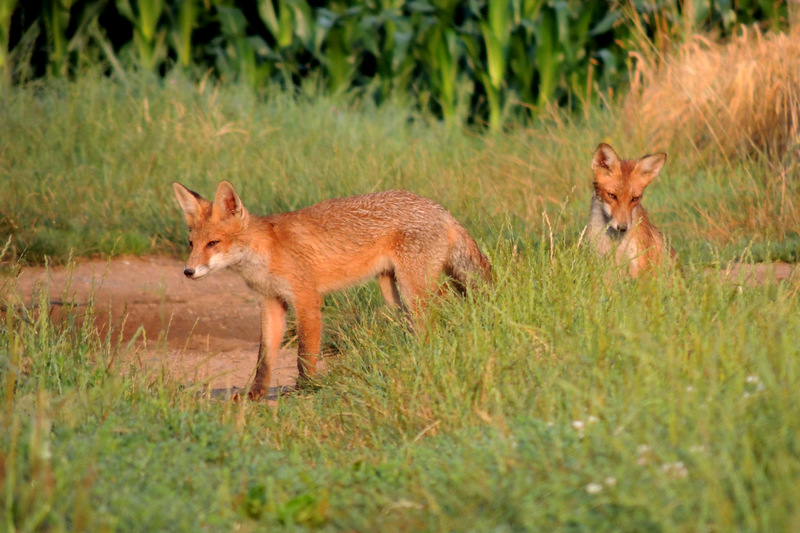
(466, 264)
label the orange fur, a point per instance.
(617, 221)
(294, 259)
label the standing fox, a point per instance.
(293, 259)
(618, 220)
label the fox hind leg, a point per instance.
(391, 294)
(309, 333)
(417, 282)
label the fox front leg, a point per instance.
(273, 324)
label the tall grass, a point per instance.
(556, 401)
(737, 99)
(87, 165)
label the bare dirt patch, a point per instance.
(201, 331)
(761, 273)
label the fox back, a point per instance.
(617, 221)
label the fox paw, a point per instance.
(256, 393)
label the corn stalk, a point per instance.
(294, 32)
(6, 11)
(55, 14)
(395, 61)
(185, 23)
(252, 57)
(148, 39)
(342, 45)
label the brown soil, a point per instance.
(203, 331)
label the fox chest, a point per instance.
(265, 283)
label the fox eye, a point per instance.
(635, 199)
(212, 244)
(191, 244)
(612, 196)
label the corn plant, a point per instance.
(294, 32)
(6, 10)
(496, 30)
(522, 62)
(500, 52)
(55, 14)
(67, 26)
(539, 52)
(245, 55)
(181, 33)
(443, 55)
(440, 51)
(393, 53)
(148, 38)
(343, 44)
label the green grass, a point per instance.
(684, 386)
(86, 168)
(474, 426)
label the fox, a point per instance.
(293, 259)
(617, 220)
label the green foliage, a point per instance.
(6, 10)
(482, 60)
(88, 166)
(148, 35)
(555, 400)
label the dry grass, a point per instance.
(737, 99)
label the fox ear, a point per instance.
(227, 202)
(193, 204)
(648, 167)
(605, 161)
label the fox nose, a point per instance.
(622, 228)
(189, 272)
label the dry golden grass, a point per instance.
(736, 99)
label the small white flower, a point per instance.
(746, 394)
(592, 419)
(752, 378)
(594, 488)
(642, 449)
(689, 389)
(677, 469)
(578, 425)
(549, 423)
(610, 481)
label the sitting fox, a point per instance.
(293, 259)
(618, 221)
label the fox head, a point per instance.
(215, 229)
(620, 183)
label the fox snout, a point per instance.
(616, 217)
(621, 228)
(196, 272)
